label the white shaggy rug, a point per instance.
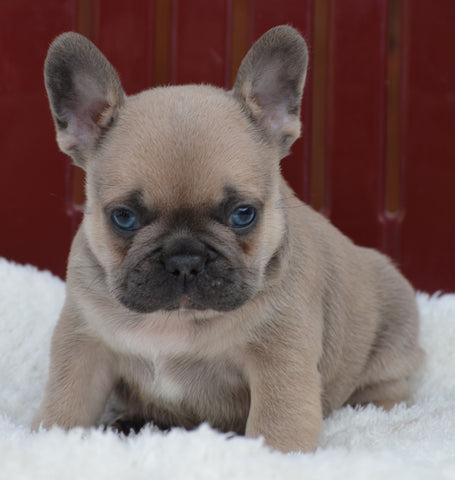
(413, 442)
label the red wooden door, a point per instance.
(376, 155)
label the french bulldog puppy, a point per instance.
(199, 288)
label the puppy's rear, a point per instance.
(371, 321)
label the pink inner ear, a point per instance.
(275, 119)
(94, 112)
(91, 100)
(273, 102)
(272, 114)
(85, 126)
(79, 135)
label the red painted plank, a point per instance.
(356, 116)
(297, 13)
(199, 41)
(429, 110)
(124, 35)
(35, 227)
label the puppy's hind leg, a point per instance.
(384, 394)
(395, 352)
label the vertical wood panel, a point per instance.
(391, 193)
(162, 22)
(88, 18)
(125, 35)
(200, 32)
(356, 116)
(319, 174)
(32, 187)
(392, 200)
(429, 153)
(240, 33)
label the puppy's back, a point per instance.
(370, 316)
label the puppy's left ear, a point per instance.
(270, 83)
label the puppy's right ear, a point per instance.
(84, 93)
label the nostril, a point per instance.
(185, 266)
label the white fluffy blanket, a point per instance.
(413, 442)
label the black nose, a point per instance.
(185, 266)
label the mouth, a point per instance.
(187, 304)
(190, 276)
(164, 293)
(184, 304)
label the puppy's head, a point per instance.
(183, 183)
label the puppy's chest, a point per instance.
(184, 376)
(173, 381)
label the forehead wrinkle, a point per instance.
(182, 145)
(189, 175)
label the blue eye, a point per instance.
(124, 219)
(243, 216)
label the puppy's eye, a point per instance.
(243, 216)
(124, 219)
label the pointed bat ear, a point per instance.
(270, 83)
(85, 94)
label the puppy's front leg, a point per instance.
(285, 400)
(80, 377)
